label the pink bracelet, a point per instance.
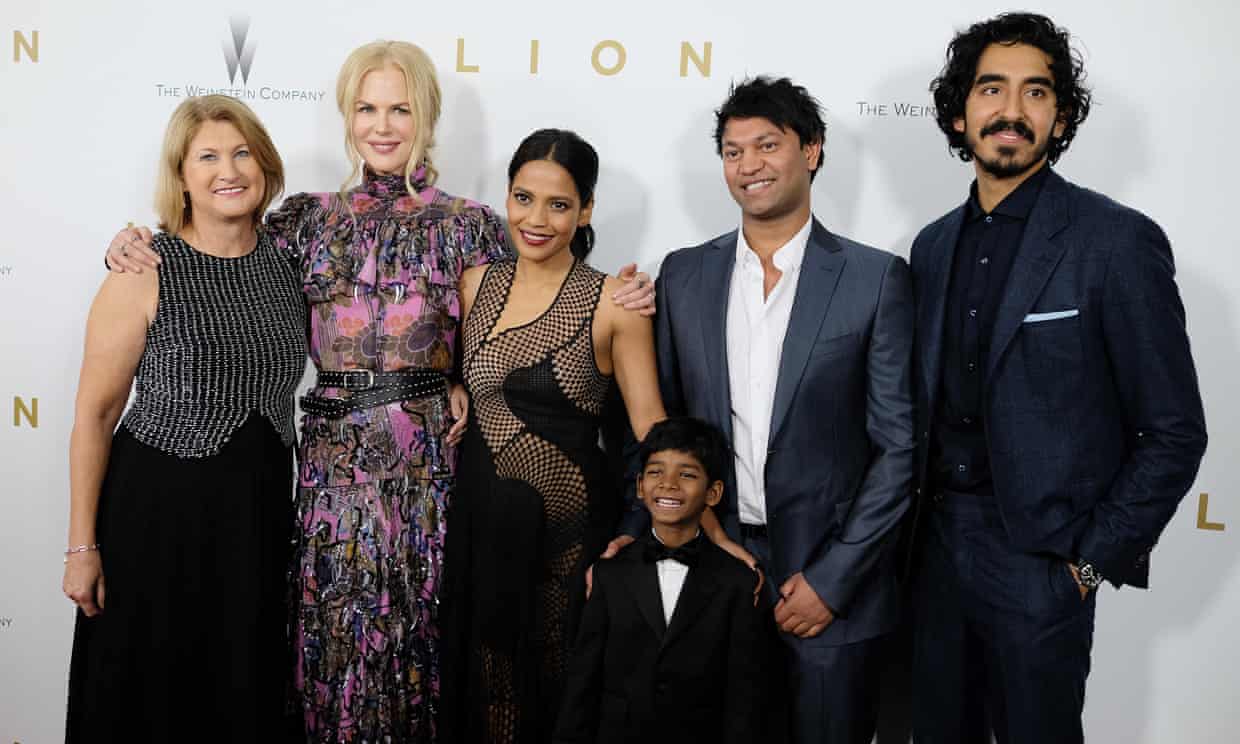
(82, 549)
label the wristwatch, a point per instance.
(1088, 575)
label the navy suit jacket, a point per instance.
(840, 462)
(1094, 424)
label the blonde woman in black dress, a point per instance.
(180, 520)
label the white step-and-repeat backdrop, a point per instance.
(87, 89)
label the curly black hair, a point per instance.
(779, 101)
(951, 88)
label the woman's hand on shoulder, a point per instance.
(130, 251)
(635, 291)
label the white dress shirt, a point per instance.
(755, 331)
(671, 580)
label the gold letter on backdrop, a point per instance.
(460, 58)
(533, 56)
(687, 52)
(620, 57)
(1203, 520)
(29, 46)
(31, 413)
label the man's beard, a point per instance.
(1006, 165)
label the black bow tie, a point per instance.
(686, 554)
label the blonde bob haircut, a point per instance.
(425, 100)
(171, 199)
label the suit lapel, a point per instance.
(715, 286)
(1035, 260)
(697, 591)
(644, 585)
(820, 275)
(933, 301)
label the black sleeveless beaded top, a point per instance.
(228, 339)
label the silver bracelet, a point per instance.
(80, 549)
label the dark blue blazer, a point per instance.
(1094, 423)
(840, 463)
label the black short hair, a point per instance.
(951, 88)
(693, 436)
(575, 155)
(783, 103)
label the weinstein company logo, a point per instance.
(239, 50)
(238, 55)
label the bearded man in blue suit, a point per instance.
(1059, 422)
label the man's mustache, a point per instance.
(1003, 125)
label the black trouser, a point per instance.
(831, 693)
(1000, 637)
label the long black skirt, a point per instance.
(192, 644)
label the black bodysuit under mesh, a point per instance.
(532, 509)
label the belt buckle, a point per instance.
(367, 374)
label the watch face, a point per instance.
(1089, 575)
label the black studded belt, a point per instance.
(368, 389)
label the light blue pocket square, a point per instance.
(1056, 315)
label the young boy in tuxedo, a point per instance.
(671, 647)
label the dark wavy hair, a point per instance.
(692, 436)
(951, 88)
(576, 156)
(783, 103)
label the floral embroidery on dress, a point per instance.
(380, 271)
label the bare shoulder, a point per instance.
(128, 294)
(616, 317)
(130, 283)
(611, 285)
(472, 276)
(471, 280)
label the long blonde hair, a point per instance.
(425, 101)
(171, 204)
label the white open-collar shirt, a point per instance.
(755, 335)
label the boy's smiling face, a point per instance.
(675, 488)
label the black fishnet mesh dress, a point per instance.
(534, 507)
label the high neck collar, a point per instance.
(392, 186)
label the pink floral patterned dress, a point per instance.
(380, 273)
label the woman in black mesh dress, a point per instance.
(535, 506)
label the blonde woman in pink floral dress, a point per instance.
(380, 265)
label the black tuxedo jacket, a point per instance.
(700, 678)
(1094, 423)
